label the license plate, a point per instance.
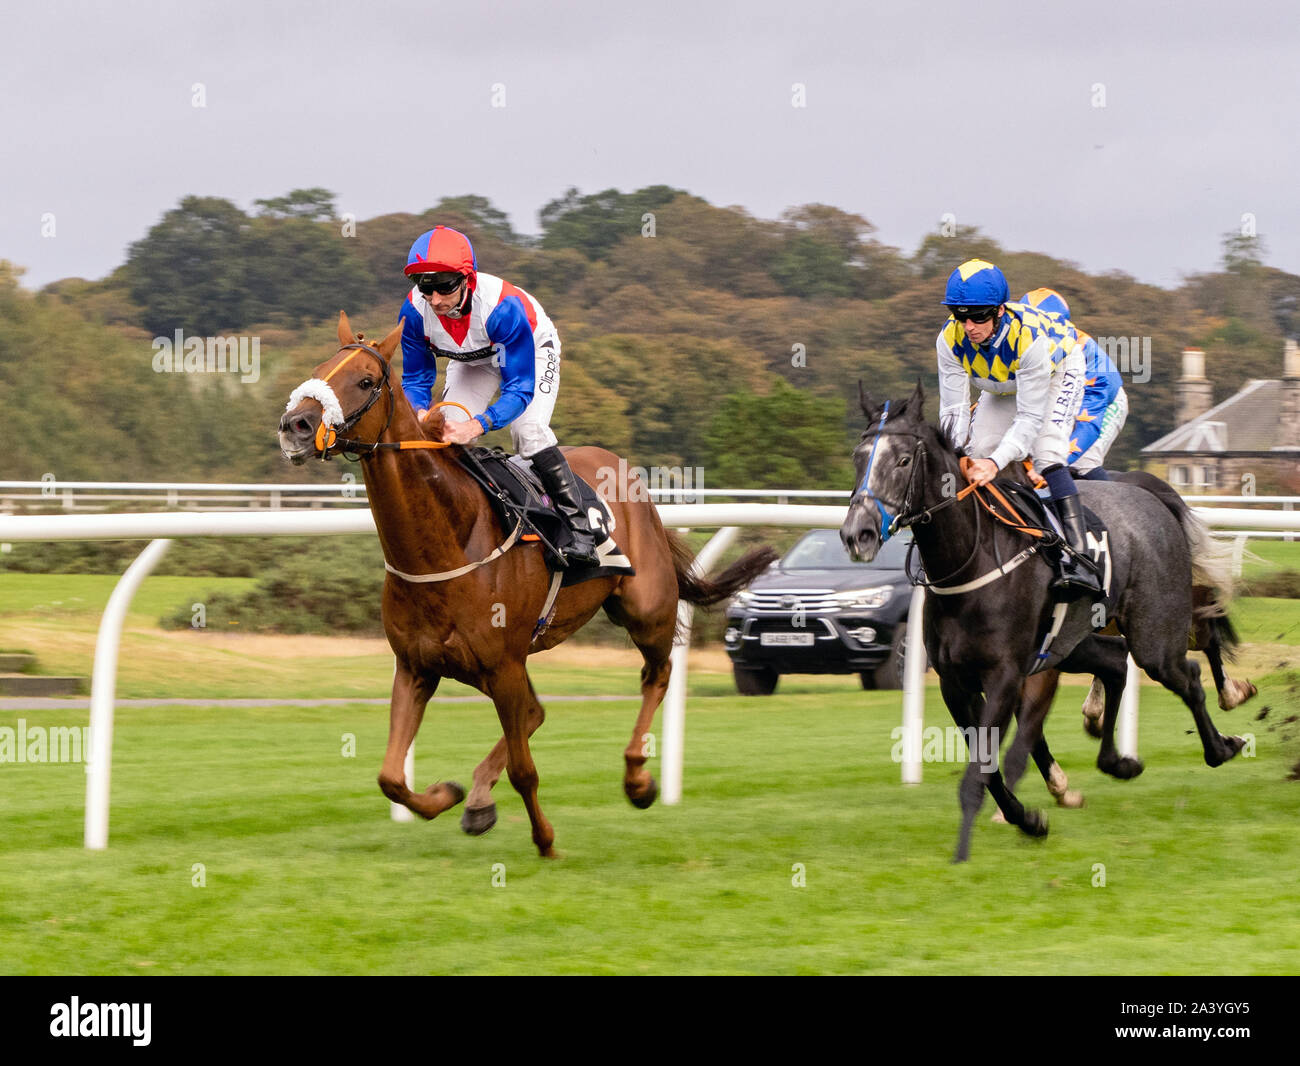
(799, 639)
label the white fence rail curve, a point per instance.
(161, 527)
(73, 496)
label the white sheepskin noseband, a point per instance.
(318, 390)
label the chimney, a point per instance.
(1195, 393)
(1290, 427)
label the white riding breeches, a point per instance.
(476, 384)
(996, 411)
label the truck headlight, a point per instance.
(863, 599)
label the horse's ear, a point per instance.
(389, 344)
(916, 402)
(865, 402)
(345, 329)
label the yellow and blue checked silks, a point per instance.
(1021, 326)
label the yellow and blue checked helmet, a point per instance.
(976, 283)
(1047, 300)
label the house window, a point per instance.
(1178, 476)
(1207, 479)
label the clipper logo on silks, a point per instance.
(886, 519)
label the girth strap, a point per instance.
(986, 579)
(447, 575)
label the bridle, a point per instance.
(330, 438)
(908, 517)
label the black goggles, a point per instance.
(973, 314)
(442, 284)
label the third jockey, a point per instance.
(496, 337)
(1030, 367)
(1105, 403)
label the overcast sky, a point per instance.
(909, 113)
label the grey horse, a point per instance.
(987, 602)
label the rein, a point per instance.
(988, 500)
(327, 438)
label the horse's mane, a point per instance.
(937, 441)
(911, 411)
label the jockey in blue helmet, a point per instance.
(496, 337)
(1029, 367)
(1104, 409)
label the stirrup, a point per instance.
(1077, 577)
(578, 552)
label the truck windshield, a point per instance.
(822, 549)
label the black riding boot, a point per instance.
(1078, 577)
(561, 485)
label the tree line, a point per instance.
(693, 335)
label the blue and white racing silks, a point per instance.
(503, 323)
(1102, 385)
(1019, 358)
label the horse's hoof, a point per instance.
(998, 817)
(1235, 693)
(1125, 769)
(478, 820)
(1035, 823)
(454, 787)
(1092, 726)
(646, 797)
(1058, 784)
(1230, 748)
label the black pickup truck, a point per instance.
(816, 611)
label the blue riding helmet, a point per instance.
(1047, 300)
(976, 283)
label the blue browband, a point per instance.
(886, 519)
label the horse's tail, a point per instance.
(1222, 633)
(704, 592)
(1211, 560)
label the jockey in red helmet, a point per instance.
(496, 338)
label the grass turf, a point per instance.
(796, 850)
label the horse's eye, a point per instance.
(905, 461)
(366, 384)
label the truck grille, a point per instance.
(786, 601)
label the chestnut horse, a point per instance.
(478, 593)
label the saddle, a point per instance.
(1070, 622)
(516, 495)
(1036, 511)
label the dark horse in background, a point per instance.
(435, 523)
(1212, 634)
(982, 642)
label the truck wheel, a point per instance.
(755, 680)
(889, 674)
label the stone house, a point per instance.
(1250, 443)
